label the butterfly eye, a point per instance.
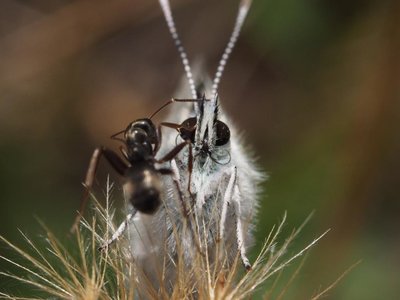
(223, 133)
(187, 129)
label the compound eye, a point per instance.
(187, 130)
(223, 133)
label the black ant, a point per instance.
(142, 185)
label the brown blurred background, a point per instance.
(314, 86)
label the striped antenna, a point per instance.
(166, 8)
(241, 16)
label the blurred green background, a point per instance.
(314, 86)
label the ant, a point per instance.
(142, 183)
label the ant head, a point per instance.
(138, 131)
(139, 137)
(141, 131)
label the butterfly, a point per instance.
(210, 205)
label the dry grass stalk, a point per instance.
(112, 274)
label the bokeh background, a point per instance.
(314, 86)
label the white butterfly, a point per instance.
(222, 198)
(210, 205)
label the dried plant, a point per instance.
(112, 274)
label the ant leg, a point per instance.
(172, 100)
(175, 177)
(174, 172)
(159, 133)
(121, 229)
(123, 152)
(159, 140)
(115, 161)
(174, 152)
(171, 125)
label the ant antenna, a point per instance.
(166, 8)
(241, 16)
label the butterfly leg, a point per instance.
(240, 231)
(226, 201)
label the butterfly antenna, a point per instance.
(166, 8)
(241, 16)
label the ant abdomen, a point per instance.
(143, 188)
(146, 201)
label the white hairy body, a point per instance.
(223, 205)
